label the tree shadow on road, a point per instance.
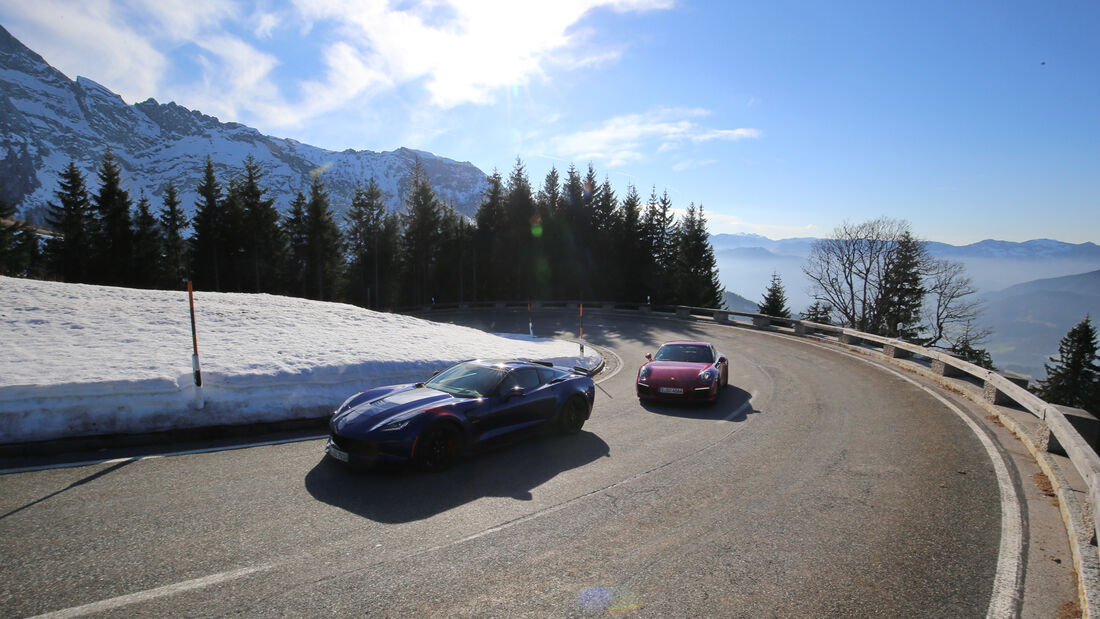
(733, 404)
(643, 328)
(402, 495)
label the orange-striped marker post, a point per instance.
(195, 348)
(582, 329)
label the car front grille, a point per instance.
(356, 446)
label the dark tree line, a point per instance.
(571, 239)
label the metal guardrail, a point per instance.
(998, 389)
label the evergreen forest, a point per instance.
(565, 239)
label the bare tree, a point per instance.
(848, 269)
(950, 308)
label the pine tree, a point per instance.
(775, 299)
(522, 242)
(324, 244)
(20, 251)
(148, 247)
(173, 222)
(630, 260)
(12, 261)
(490, 268)
(556, 234)
(112, 240)
(659, 227)
(263, 244)
(902, 293)
(69, 250)
(365, 220)
(455, 257)
(207, 242)
(964, 348)
(696, 270)
(296, 230)
(421, 221)
(818, 312)
(1074, 379)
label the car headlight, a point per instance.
(708, 375)
(643, 373)
(395, 425)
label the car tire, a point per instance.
(437, 447)
(572, 416)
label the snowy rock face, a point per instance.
(46, 120)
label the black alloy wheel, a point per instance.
(437, 447)
(572, 416)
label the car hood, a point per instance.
(362, 417)
(683, 371)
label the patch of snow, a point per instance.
(80, 360)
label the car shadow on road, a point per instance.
(733, 404)
(402, 495)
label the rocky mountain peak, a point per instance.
(46, 120)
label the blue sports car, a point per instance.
(467, 406)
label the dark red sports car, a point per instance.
(683, 371)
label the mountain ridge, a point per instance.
(46, 120)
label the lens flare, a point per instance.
(599, 599)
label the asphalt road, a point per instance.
(819, 485)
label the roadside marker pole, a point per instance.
(195, 344)
(530, 326)
(582, 329)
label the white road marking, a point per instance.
(143, 596)
(617, 369)
(69, 465)
(1007, 581)
(1005, 599)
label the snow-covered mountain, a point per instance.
(46, 120)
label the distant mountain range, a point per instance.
(1033, 292)
(1030, 319)
(46, 120)
(746, 262)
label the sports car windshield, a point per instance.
(468, 380)
(684, 352)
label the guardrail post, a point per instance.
(1086, 424)
(895, 352)
(719, 316)
(993, 395)
(848, 338)
(940, 367)
(683, 312)
(761, 322)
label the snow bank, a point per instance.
(78, 360)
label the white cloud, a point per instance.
(265, 23)
(625, 138)
(89, 39)
(454, 50)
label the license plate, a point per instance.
(675, 390)
(337, 453)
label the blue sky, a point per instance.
(972, 119)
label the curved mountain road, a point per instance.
(820, 484)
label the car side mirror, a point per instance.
(516, 392)
(649, 356)
(722, 359)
